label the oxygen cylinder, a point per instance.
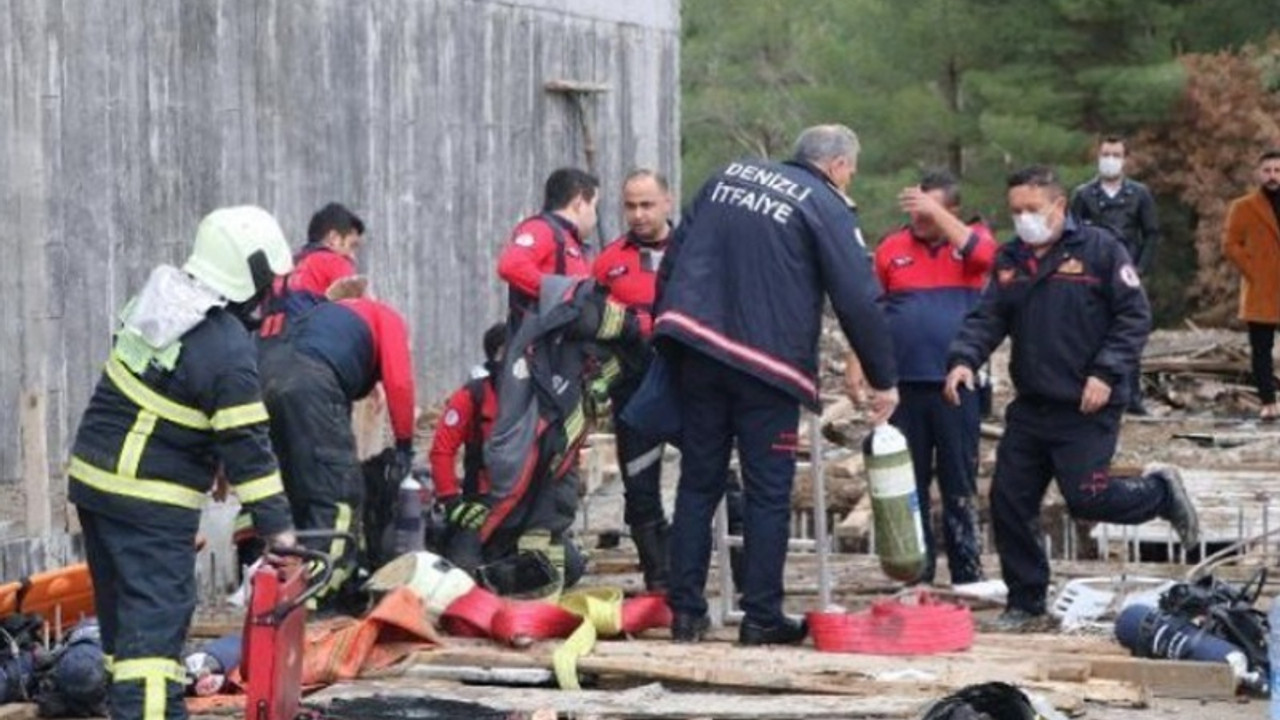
(1148, 632)
(891, 480)
(409, 533)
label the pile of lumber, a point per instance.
(1200, 371)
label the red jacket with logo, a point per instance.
(533, 251)
(463, 427)
(629, 269)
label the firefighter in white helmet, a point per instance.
(178, 402)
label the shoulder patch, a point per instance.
(1129, 276)
(902, 261)
(524, 240)
(1005, 276)
(572, 252)
(617, 271)
(451, 418)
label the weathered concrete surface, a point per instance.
(123, 121)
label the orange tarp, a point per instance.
(343, 649)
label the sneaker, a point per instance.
(687, 628)
(1019, 620)
(1181, 513)
(786, 632)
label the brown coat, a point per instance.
(1252, 243)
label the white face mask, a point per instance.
(1033, 228)
(1110, 166)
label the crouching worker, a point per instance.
(464, 427)
(180, 398)
(516, 537)
(331, 356)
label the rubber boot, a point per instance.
(651, 541)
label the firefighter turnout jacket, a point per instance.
(148, 446)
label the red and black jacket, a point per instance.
(365, 342)
(465, 425)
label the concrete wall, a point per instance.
(123, 121)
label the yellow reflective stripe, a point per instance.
(575, 424)
(239, 416)
(337, 549)
(148, 399)
(260, 489)
(152, 490)
(135, 442)
(154, 673)
(610, 370)
(611, 323)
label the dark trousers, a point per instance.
(1262, 339)
(144, 594)
(313, 440)
(1054, 440)
(721, 406)
(944, 437)
(640, 461)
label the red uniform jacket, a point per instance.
(534, 252)
(629, 269)
(463, 426)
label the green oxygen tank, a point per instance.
(891, 480)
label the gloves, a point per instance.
(402, 463)
(466, 513)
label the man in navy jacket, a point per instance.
(740, 308)
(1069, 299)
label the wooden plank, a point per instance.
(1169, 678)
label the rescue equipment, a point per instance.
(899, 532)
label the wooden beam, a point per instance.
(35, 463)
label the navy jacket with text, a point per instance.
(744, 277)
(1076, 312)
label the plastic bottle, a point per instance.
(409, 532)
(894, 504)
(1273, 656)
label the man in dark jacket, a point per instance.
(740, 303)
(1071, 301)
(178, 403)
(1126, 207)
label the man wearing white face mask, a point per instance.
(1125, 206)
(1070, 300)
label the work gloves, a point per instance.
(401, 464)
(466, 513)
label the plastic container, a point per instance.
(410, 536)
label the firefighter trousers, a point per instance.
(144, 594)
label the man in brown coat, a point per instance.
(1252, 244)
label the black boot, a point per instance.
(652, 546)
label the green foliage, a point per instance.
(979, 86)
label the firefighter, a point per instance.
(178, 403)
(1070, 300)
(465, 425)
(324, 269)
(628, 268)
(327, 358)
(932, 272)
(552, 242)
(739, 312)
